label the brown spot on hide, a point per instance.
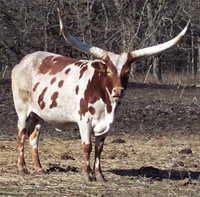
(22, 132)
(60, 83)
(35, 86)
(53, 80)
(20, 136)
(87, 148)
(55, 64)
(109, 108)
(88, 120)
(35, 159)
(83, 108)
(95, 90)
(82, 71)
(53, 98)
(67, 71)
(92, 110)
(34, 134)
(77, 89)
(78, 64)
(21, 163)
(41, 103)
(42, 106)
(81, 65)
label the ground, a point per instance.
(153, 149)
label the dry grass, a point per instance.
(121, 164)
(168, 77)
(156, 123)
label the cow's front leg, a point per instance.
(33, 139)
(99, 142)
(85, 131)
(87, 148)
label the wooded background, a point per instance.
(119, 26)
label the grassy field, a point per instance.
(160, 155)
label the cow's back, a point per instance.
(22, 73)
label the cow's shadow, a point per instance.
(158, 174)
(58, 168)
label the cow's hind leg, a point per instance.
(85, 131)
(21, 129)
(99, 142)
(33, 134)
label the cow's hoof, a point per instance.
(100, 178)
(39, 171)
(87, 178)
(23, 171)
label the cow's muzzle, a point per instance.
(118, 93)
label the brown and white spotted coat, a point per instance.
(64, 91)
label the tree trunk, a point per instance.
(192, 69)
(119, 6)
(157, 77)
(198, 54)
(125, 23)
(157, 74)
(106, 19)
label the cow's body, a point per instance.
(64, 91)
(63, 95)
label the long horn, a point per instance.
(137, 54)
(97, 52)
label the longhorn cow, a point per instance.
(64, 91)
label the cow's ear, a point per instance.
(99, 65)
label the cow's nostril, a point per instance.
(118, 92)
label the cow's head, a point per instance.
(107, 74)
(117, 66)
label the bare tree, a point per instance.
(115, 25)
